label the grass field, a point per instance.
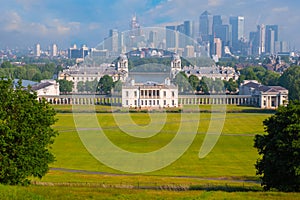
(233, 155)
(226, 173)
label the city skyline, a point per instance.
(25, 23)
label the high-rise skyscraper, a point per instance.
(237, 27)
(54, 50)
(188, 28)
(254, 43)
(217, 21)
(271, 38)
(171, 37)
(153, 39)
(114, 40)
(217, 47)
(205, 26)
(261, 29)
(37, 50)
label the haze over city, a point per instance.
(26, 22)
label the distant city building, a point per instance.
(171, 37)
(262, 39)
(271, 38)
(190, 51)
(78, 54)
(205, 26)
(237, 27)
(149, 95)
(37, 50)
(218, 47)
(54, 50)
(153, 39)
(114, 40)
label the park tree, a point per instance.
(118, 86)
(105, 84)
(194, 82)
(25, 134)
(65, 86)
(290, 79)
(182, 82)
(203, 85)
(279, 165)
(231, 86)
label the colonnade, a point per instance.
(182, 100)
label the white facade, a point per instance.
(270, 97)
(85, 73)
(46, 88)
(149, 95)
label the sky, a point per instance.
(24, 23)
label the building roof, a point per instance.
(41, 86)
(264, 88)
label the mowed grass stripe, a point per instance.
(233, 155)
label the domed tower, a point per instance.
(175, 65)
(122, 64)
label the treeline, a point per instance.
(192, 84)
(262, 75)
(162, 64)
(30, 72)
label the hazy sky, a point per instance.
(64, 22)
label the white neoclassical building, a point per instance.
(149, 95)
(270, 97)
(46, 88)
(84, 73)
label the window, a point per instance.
(154, 102)
(142, 92)
(127, 93)
(157, 102)
(135, 93)
(173, 94)
(126, 102)
(145, 102)
(142, 102)
(165, 93)
(157, 92)
(135, 102)
(165, 102)
(150, 102)
(173, 103)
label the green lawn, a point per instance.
(227, 172)
(233, 154)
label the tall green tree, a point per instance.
(194, 82)
(279, 165)
(65, 86)
(290, 79)
(105, 84)
(182, 81)
(25, 134)
(231, 85)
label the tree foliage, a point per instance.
(25, 134)
(105, 84)
(290, 79)
(231, 86)
(65, 86)
(31, 72)
(182, 82)
(279, 165)
(260, 74)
